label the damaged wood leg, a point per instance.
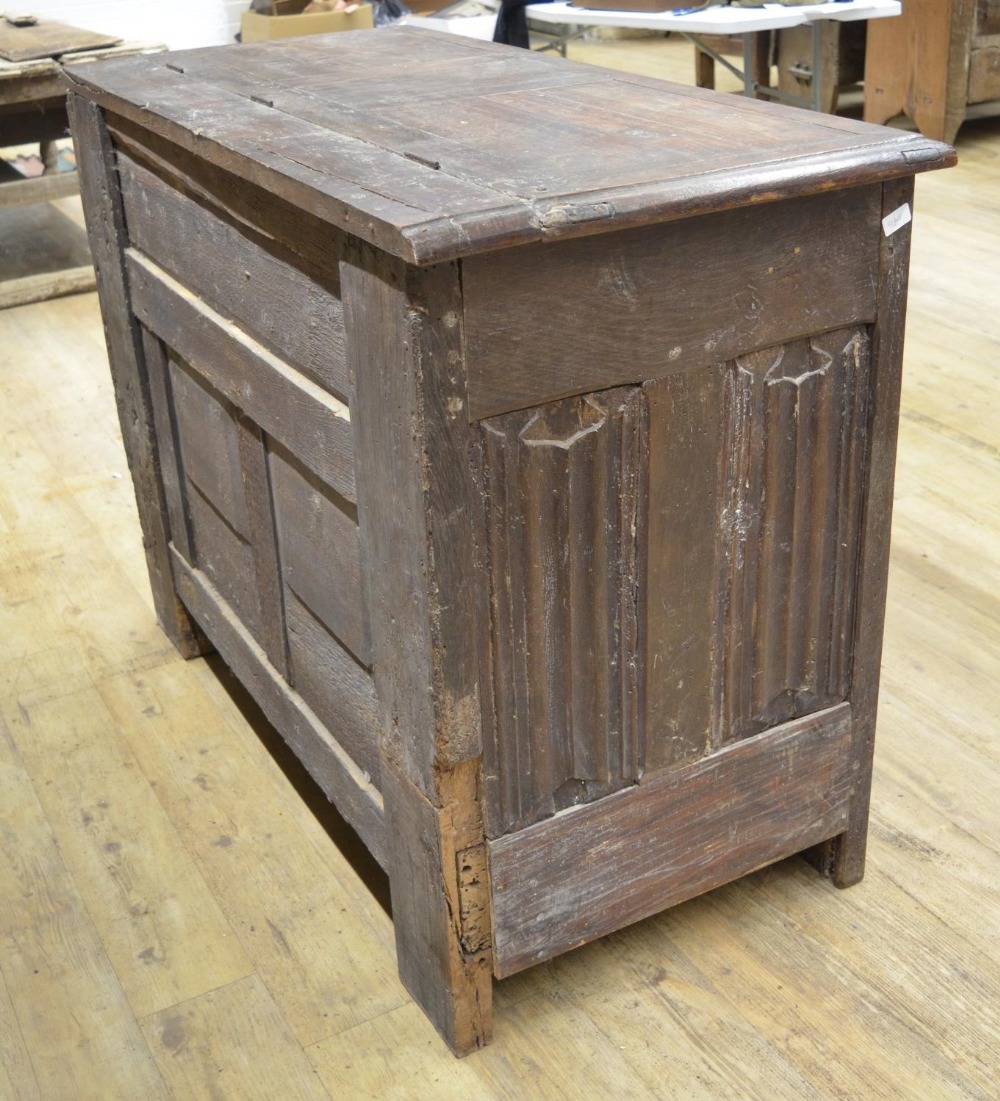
(440, 902)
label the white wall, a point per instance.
(178, 24)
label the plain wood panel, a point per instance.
(256, 477)
(231, 266)
(334, 686)
(226, 559)
(652, 302)
(687, 444)
(598, 867)
(217, 1039)
(312, 424)
(320, 551)
(209, 444)
(165, 420)
(125, 854)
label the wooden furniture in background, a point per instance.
(713, 29)
(934, 62)
(44, 253)
(839, 49)
(541, 498)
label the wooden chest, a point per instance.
(522, 435)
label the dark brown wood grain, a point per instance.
(681, 598)
(599, 867)
(754, 503)
(263, 539)
(108, 241)
(339, 690)
(24, 41)
(797, 419)
(648, 303)
(208, 438)
(226, 558)
(310, 423)
(167, 439)
(405, 354)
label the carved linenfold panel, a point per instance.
(795, 417)
(755, 482)
(562, 486)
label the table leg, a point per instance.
(49, 152)
(817, 67)
(749, 81)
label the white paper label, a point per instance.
(900, 217)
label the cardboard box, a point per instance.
(261, 28)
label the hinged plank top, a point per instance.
(433, 147)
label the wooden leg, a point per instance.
(440, 909)
(843, 857)
(126, 356)
(704, 69)
(760, 49)
(49, 152)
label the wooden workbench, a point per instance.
(522, 435)
(44, 253)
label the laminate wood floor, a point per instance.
(182, 915)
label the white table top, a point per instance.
(717, 20)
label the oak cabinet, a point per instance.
(522, 435)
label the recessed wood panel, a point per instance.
(225, 557)
(212, 492)
(237, 264)
(562, 486)
(209, 443)
(320, 551)
(334, 686)
(755, 489)
(791, 517)
(312, 424)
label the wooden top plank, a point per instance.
(44, 38)
(434, 147)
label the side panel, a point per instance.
(228, 314)
(672, 569)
